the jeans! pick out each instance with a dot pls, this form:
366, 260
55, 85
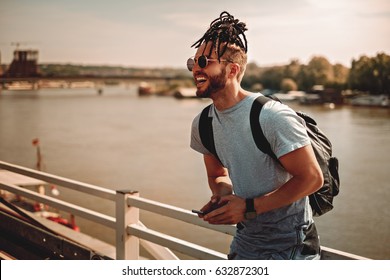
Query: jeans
301, 244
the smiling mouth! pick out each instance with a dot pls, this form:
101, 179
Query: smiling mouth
200, 80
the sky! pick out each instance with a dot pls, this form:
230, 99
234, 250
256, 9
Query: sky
159, 33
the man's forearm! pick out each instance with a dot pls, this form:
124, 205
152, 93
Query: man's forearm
295, 189
220, 186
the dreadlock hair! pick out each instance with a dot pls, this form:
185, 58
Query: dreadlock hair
227, 35
224, 31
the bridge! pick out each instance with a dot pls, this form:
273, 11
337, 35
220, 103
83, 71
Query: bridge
25, 69
95, 81
97, 78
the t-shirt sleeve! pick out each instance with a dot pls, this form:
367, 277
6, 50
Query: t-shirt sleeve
283, 128
196, 142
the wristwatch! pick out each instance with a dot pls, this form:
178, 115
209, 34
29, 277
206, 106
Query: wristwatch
250, 212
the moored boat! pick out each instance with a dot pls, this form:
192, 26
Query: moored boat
20, 86
185, 92
145, 89
371, 100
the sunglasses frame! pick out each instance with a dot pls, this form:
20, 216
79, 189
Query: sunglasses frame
202, 61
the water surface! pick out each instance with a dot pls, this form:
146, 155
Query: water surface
121, 141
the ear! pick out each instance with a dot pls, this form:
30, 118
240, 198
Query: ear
234, 70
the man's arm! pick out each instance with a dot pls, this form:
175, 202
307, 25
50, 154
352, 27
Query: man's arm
218, 179
306, 179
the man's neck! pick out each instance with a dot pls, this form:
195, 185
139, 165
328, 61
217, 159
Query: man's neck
228, 97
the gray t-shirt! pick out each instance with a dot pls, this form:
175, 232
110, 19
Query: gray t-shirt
254, 173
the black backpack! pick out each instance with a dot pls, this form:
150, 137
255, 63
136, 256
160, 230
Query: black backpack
322, 200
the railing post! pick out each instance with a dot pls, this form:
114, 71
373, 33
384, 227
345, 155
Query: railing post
127, 246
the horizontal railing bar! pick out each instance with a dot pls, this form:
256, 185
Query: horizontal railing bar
176, 244
157, 251
333, 254
61, 205
177, 213
61, 181
139, 202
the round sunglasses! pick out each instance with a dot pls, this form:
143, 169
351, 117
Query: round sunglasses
202, 61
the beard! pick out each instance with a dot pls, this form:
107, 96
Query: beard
216, 83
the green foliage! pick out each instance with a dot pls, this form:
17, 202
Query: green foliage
272, 77
370, 74
288, 85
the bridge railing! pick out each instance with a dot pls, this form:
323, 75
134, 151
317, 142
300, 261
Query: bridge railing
130, 232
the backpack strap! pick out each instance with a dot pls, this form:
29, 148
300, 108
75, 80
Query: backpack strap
206, 131
257, 132
207, 136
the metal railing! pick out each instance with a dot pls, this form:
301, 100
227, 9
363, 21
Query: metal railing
130, 232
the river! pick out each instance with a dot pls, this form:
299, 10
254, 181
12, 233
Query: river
118, 140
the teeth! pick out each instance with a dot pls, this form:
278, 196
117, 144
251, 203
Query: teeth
200, 79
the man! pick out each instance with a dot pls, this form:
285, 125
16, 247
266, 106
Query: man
267, 200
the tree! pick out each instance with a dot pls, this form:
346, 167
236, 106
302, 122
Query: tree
381, 64
340, 78
304, 80
288, 84
272, 77
360, 75
249, 80
320, 71
371, 74
292, 70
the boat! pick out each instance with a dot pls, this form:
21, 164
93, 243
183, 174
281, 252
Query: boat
371, 100
53, 84
38, 209
185, 92
290, 96
145, 89
20, 86
82, 84
310, 99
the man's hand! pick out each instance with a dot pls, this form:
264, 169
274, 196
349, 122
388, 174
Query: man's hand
230, 213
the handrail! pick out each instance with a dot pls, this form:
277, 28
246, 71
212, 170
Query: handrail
61, 181
126, 221
61, 205
176, 213
182, 246
137, 229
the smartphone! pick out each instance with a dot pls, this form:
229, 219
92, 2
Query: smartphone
213, 207
198, 212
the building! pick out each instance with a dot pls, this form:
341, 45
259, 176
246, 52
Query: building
24, 64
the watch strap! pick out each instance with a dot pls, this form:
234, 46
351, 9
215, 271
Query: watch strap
250, 205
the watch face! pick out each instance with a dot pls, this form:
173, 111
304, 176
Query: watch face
250, 215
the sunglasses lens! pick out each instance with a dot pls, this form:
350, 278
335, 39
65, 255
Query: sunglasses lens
202, 61
190, 64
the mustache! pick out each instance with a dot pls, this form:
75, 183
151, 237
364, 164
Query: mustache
200, 73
